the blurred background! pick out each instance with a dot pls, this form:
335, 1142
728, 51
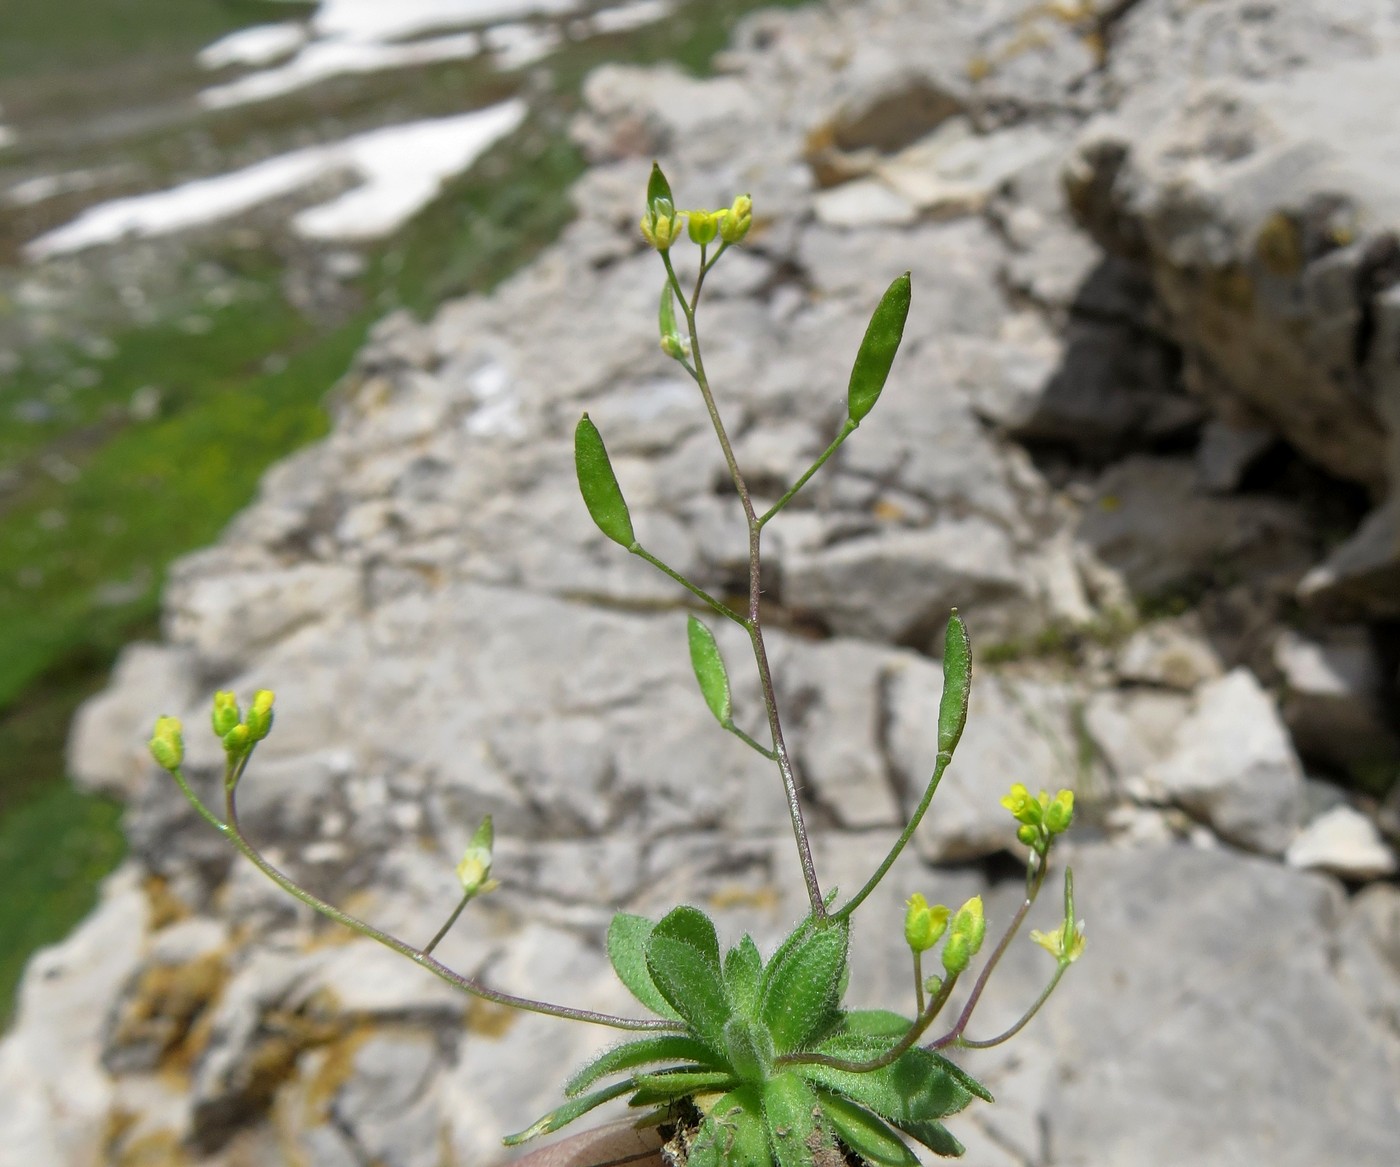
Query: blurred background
203, 206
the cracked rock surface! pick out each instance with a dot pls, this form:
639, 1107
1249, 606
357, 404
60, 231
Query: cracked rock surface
1142, 432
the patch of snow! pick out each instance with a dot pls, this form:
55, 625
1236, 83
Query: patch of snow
334, 58
401, 169
515, 46
259, 45
386, 20
629, 16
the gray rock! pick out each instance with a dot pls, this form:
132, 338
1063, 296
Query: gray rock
1344, 842
1171, 653
1333, 697
1149, 522
1233, 765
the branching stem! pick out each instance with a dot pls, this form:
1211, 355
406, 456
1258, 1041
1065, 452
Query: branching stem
418, 955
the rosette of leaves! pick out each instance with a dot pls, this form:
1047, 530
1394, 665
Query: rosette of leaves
745, 1047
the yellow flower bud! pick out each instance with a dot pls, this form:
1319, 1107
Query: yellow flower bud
260, 715
1029, 835
970, 923
735, 222
237, 742
956, 954
924, 925
661, 225
474, 868
703, 226
226, 712
167, 744
1060, 813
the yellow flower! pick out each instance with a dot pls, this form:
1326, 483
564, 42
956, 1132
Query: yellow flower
924, 925
1064, 949
1023, 807
167, 744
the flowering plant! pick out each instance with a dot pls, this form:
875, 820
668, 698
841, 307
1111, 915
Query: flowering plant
754, 1061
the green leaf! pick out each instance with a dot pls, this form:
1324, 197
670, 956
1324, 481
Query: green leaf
789, 1114
919, 1085
563, 1115
877, 350
743, 973
734, 1131
658, 187
935, 1136
627, 949
681, 1082
710, 671
683, 958
598, 485
801, 991
748, 1049
645, 1051
865, 1134
957, 684
874, 1023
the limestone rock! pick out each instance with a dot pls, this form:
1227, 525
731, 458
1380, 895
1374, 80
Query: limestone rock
1344, 842
1233, 765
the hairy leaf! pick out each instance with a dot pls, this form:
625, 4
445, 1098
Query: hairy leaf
743, 973
935, 1136
801, 992
734, 1132
877, 350
680, 1082
670, 1047
683, 959
563, 1115
789, 1113
864, 1133
627, 949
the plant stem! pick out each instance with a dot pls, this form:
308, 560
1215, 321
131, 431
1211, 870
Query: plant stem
985, 975
1025, 1017
846, 431
753, 623
748, 741
918, 982
718, 606
870, 884
447, 927
417, 955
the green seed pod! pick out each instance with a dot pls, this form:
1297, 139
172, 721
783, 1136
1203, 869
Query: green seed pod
957, 684
598, 485
877, 350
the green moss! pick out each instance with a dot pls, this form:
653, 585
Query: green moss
53, 851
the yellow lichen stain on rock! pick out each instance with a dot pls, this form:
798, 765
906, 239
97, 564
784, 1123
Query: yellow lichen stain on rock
162, 1009
488, 1019
1279, 245
337, 1063
156, 1149
1230, 287
737, 896
166, 907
